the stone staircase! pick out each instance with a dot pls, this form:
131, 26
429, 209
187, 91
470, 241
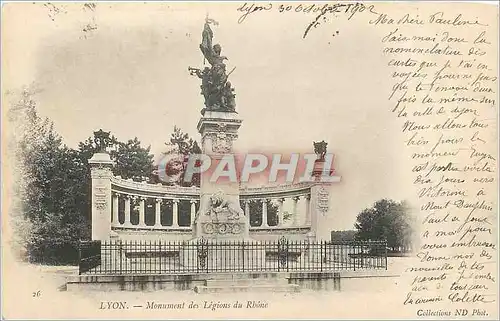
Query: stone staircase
245, 283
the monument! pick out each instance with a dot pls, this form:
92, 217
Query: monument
220, 215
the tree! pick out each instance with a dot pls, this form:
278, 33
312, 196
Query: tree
180, 147
57, 193
132, 160
343, 236
53, 200
182, 143
52, 183
255, 208
26, 127
386, 220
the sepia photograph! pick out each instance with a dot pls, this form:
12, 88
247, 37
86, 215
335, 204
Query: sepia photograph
206, 160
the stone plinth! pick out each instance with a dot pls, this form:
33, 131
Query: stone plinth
100, 172
221, 228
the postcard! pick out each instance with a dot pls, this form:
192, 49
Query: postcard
249, 160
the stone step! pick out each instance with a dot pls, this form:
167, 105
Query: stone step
248, 282
247, 276
247, 288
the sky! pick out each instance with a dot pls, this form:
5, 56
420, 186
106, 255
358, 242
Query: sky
129, 76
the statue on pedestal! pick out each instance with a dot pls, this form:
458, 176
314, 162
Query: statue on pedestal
320, 149
102, 140
215, 87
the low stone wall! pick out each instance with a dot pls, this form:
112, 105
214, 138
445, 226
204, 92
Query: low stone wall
134, 282
326, 281
329, 281
150, 233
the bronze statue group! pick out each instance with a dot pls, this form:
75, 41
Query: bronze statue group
215, 87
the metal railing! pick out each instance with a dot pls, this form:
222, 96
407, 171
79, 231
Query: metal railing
89, 256
203, 256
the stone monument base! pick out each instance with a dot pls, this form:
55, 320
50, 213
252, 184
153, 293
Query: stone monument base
224, 228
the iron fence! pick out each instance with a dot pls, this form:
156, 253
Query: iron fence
89, 256
203, 256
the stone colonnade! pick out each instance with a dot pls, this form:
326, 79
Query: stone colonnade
127, 208
129, 200
280, 219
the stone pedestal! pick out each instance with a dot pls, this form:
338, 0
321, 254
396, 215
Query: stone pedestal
220, 216
100, 172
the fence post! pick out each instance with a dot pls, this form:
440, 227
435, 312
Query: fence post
120, 253
326, 253
160, 256
287, 247
385, 248
243, 255
80, 257
354, 257
321, 255
196, 255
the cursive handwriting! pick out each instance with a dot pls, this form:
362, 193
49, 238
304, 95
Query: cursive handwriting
443, 94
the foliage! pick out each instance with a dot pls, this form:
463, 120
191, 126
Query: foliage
255, 208
343, 236
53, 199
387, 220
181, 146
132, 160
54, 184
182, 143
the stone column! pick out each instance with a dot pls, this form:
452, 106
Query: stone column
294, 211
142, 212
127, 211
280, 212
175, 213
264, 213
100, 173
193, 211
116, 221
158, 212
308, 210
